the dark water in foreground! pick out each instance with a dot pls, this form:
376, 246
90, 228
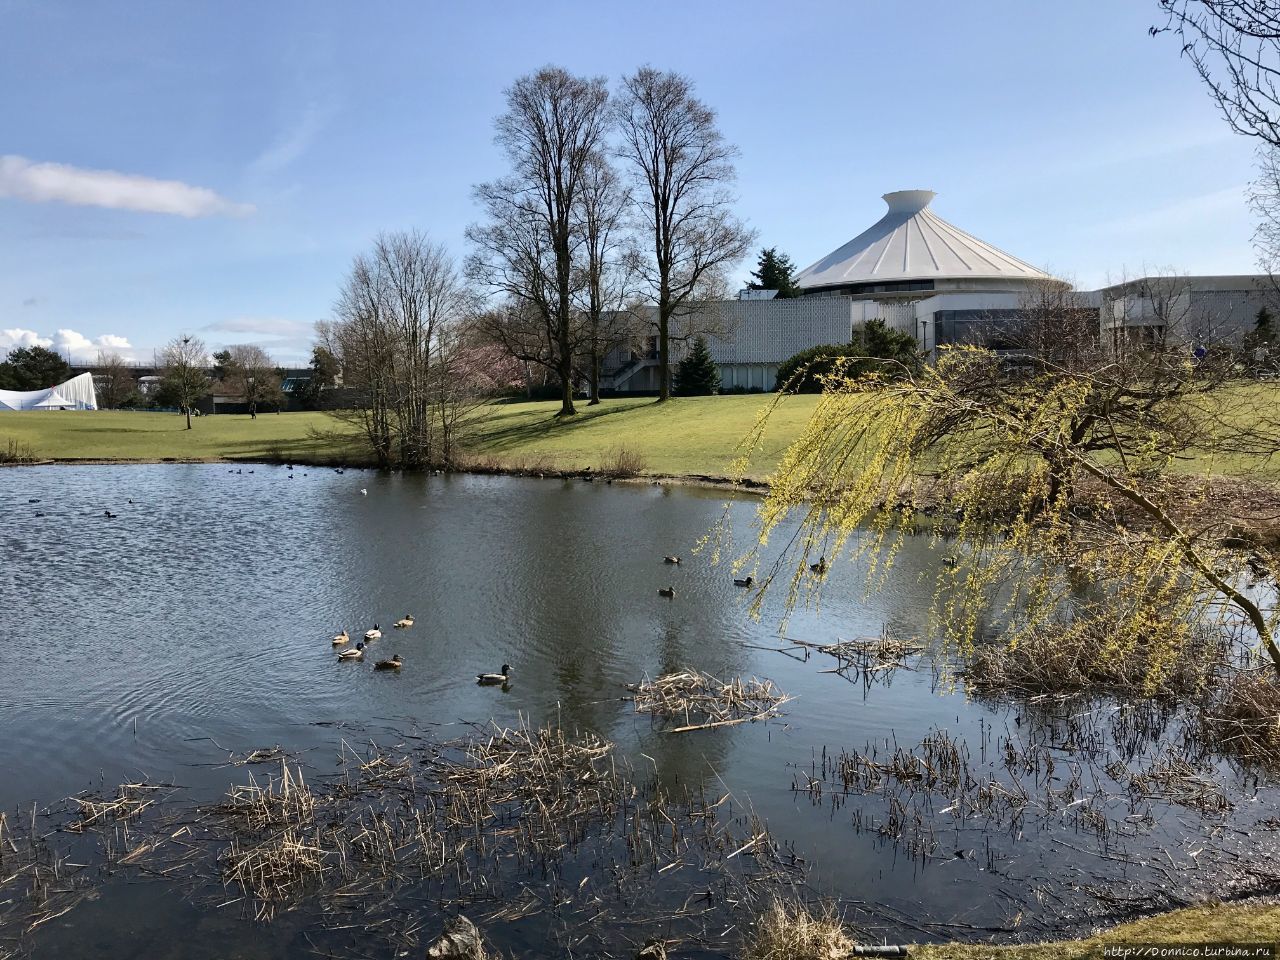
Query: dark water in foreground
196, 624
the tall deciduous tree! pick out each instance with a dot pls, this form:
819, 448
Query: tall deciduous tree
525, 249
604, 282
681, 167
184, 363
773, 272
391, 334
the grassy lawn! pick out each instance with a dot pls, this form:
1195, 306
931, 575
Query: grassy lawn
697, 435
120, 435
1223, 923
693, 436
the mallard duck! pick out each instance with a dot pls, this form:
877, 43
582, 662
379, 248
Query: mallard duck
670, 559
392, 664
666, 591
355, 653
341, 638
820, 567
404, 622
492, 679
373, 634
743, 581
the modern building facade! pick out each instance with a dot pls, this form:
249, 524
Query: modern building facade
927, 277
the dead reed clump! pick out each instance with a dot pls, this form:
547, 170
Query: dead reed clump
1059, 660
130, 800
287, 801
1173, 779
789, 930
1244, 721
274, 871
623, 463
699, 701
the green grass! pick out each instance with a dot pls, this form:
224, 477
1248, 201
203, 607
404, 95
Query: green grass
1220, 923
690, 436
687, 436
119, 435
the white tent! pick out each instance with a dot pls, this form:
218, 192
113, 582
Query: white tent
76, 394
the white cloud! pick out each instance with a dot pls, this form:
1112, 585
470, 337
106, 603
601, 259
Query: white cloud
59, 182
17, 337
72, 343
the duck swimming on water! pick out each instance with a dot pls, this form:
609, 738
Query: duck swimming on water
393, 664
493, 679
373, 634
404, 622
743, 581
341, 638
668, 592
355, 653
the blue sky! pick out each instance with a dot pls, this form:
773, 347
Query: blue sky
285, 135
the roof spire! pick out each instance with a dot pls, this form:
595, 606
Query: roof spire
908, 201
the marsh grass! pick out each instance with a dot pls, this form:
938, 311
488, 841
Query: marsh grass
791, 930
1244, 719
1052, 660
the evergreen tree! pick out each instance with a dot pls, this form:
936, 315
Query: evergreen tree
35, 368
773, 272
1263, 329
697, 374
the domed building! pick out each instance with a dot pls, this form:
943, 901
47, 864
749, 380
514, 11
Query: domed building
925, 276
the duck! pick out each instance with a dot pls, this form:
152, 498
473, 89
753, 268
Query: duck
493, 679
667, 591
341, 638
743, 581
393, 664
373, 634
355, 653
821, 566
364, 492
670, 559
404, 622
108, 514
948, 561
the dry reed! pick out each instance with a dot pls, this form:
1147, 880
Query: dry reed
699, 701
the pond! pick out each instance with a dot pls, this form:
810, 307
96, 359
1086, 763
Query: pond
195, 625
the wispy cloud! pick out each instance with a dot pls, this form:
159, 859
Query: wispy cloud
24, 179
1181, 214
293, 141
288, 341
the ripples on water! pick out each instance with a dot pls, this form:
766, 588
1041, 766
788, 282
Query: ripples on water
198, 621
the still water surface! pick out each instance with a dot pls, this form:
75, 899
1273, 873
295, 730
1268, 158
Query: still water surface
197, 622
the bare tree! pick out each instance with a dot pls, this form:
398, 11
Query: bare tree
1235, 47
390, 337
251, 372
554, 128
114, 381
185, 362
681, 166
605, 280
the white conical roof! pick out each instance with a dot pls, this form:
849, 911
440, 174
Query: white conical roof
911, 243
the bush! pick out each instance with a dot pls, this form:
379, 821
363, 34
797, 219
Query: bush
623, 462
788, 930
876, 342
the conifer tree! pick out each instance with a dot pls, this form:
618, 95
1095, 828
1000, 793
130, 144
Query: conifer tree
773, 272
697, 374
